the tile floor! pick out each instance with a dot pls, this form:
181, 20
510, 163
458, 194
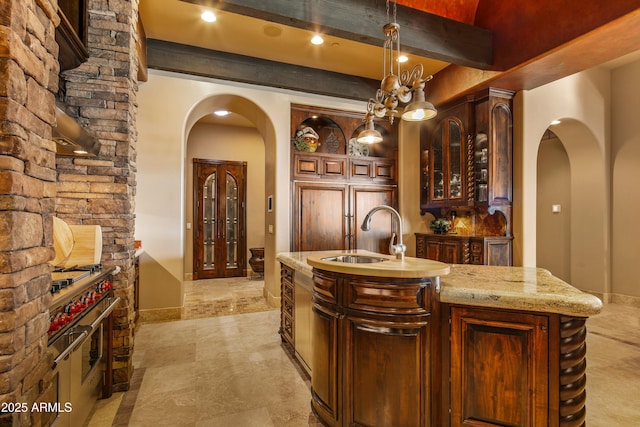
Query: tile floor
231, 370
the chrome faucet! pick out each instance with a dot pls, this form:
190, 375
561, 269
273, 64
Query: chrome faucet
397, 250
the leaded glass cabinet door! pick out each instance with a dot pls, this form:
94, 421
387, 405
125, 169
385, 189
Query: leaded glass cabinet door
219, 219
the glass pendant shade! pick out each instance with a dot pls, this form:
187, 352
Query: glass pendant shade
420, 109
369, 135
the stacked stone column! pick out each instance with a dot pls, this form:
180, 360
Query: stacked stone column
101, 95
28, 83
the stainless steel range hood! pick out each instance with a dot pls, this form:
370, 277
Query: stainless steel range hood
72, 139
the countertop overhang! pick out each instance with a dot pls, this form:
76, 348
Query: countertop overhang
514, 288
408, 268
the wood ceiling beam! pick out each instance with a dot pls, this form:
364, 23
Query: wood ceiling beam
610, 41
422, 33
168, 56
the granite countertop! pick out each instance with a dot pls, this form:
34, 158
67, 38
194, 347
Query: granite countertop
515, 288
518, 288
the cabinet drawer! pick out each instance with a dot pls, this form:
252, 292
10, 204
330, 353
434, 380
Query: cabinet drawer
405, 297
286, 275
324, 287
287, 291
306, 166
333, 167
476, 247
287, 307
361, 169
287, 329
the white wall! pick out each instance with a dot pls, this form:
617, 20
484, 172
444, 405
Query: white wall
625, 160
582, 102
169, 104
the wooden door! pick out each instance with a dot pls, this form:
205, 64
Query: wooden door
219, 219
362, 200
319, 220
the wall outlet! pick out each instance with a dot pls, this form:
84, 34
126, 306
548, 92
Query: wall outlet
271, 228
555, 208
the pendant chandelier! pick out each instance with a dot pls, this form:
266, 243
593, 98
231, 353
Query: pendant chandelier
396, 87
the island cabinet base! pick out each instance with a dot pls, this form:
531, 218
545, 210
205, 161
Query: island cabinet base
514, 368
371, 354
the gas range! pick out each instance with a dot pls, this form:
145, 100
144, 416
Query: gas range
80, 338
63, 277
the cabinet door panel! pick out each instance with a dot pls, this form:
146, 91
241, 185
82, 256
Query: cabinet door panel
498, 252
450, 252
499, 368
363, 199
385, 369
432, 250
319, 217
324, 386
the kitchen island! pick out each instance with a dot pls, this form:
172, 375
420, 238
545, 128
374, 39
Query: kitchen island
475, 345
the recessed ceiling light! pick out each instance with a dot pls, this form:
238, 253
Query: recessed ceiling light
403, 58
221, 113
555, 122
208, 16
317, 39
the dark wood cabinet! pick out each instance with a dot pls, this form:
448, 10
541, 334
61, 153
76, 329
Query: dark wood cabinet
466, 172
493, 148
371, 354
443, 145
315, 166
499, 368
287, 294
455, 249
71, 34
336, 186
327, 216
467, 153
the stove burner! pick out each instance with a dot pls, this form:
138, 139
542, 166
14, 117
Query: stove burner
60, 284
92, 268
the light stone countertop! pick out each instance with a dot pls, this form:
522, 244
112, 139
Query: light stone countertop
515, 288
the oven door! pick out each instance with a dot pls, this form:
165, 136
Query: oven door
63, 349
87, 370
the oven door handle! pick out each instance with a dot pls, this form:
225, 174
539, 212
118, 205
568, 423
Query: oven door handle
76, 342
107, 311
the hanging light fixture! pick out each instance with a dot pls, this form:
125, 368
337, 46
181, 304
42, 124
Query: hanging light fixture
397, 87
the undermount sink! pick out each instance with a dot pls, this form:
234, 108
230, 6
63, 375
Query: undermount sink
355, 259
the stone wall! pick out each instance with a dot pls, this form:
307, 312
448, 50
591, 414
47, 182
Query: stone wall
35, 185
28, 82
101, 95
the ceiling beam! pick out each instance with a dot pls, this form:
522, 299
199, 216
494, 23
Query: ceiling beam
162, 55
422, 33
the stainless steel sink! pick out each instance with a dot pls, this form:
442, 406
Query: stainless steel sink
355, 259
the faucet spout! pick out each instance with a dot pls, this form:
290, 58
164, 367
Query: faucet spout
394, 249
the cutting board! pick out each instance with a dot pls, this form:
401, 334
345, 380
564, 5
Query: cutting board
62, 241
87, 248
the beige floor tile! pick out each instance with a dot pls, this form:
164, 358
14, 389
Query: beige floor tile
233, 371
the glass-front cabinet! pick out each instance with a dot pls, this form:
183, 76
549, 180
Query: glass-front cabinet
443, 159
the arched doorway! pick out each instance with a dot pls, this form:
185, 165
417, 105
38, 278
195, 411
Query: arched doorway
571, 170
553, 210
249, 138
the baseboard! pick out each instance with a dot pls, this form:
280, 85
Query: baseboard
609, 298
272, 300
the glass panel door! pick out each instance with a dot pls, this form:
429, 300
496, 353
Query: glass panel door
219, 239
438, 165
455, 160
232, 222
209, 222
